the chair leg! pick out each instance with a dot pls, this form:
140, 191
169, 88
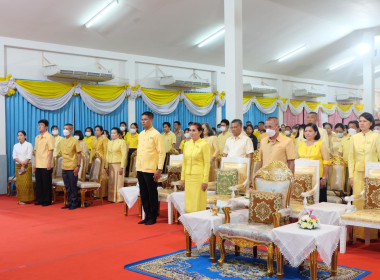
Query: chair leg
334, 263
188, 244
176, 216
255, 251
212, 248
222, 250
313, 265
237, 250
270, 249
9, 189
139, 202
82, 197
125, 209
280, 264
367, 236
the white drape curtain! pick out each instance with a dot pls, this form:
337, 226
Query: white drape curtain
265, 110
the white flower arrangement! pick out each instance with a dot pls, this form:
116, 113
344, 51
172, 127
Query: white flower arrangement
309, 221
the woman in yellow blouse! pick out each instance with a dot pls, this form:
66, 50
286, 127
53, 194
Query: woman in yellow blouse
132, 140
89, 136
115, 163
187, 138
315, 149
212, 140
336, 139
195, 170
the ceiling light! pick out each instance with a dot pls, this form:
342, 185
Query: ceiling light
292, 53
211, 37
377, 70
341, 63
101, 13
363, 48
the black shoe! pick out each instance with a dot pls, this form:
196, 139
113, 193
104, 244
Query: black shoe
150, 222
142, 222
37, 203
46, 204
65, 207
72, 207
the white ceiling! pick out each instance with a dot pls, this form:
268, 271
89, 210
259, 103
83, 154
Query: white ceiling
171, 29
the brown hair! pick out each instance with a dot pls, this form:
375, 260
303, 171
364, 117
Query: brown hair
199, 127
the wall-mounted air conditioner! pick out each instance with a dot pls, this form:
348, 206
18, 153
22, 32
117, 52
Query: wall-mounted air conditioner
188, 83
347, 97
258, 90
307, 93
88, 75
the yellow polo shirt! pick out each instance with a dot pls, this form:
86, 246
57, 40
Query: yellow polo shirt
169, 139
117, 152
57, 139
222, 138
69, 147
131, 141
344, 148
43, 144
150, 151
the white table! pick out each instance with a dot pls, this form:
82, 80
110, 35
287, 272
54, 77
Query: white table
202, 225
295, 244
178, 200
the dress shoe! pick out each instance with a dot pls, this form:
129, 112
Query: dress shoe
65, 207
37, 203
73, 207
142, 222
150, 222
46, 204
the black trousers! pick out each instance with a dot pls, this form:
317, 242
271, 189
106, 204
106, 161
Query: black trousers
70, 182
323, 194
149, 194
130, 152
43, 185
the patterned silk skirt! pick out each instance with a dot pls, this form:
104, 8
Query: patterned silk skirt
24, 184
115, 183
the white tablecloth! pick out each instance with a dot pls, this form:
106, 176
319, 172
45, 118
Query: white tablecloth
296, 244
130, 194
329, 213
201, 224
178, 200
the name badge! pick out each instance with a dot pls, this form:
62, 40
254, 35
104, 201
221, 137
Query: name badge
198, 146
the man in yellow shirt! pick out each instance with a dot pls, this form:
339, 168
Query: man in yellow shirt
71, 159
57, 139
149, 163
43, 163
169, 137
222, 137
344, 149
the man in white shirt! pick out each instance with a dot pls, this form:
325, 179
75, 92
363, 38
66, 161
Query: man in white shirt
239, 144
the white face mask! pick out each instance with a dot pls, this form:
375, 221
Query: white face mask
294, 130
103, 135
76, 137
88, 133
270, 132
339, 134
187, 135
255, 130
122, 128
287, 132
376, 131
218, 129
132, 130
66, 132
54, 132
352, 131
222, 128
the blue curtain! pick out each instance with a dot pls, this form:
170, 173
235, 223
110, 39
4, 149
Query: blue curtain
181, 114
21, 115
224, 112
255, 116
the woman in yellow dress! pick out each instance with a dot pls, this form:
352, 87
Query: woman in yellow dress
335, 141
22, 155
208, 135
132, 140
195, 170
315, 149
89, 136
187, 138
115, 164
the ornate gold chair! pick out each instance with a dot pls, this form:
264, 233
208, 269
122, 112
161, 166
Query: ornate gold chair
268, 205
305, 186
256, 162
131, 180
369, 216
337, 180
11, 180
168, 154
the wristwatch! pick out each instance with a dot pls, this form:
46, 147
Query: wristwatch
79, 165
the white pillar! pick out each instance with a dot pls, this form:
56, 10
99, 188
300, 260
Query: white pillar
280, 115
131, 66
3, 144
233, 49
216, 78
368, 74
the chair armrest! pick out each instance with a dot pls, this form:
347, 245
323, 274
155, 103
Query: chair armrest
276, 219
350, 199
236, 188
176, 185
285, 212
162, 180
226, 210
211, 186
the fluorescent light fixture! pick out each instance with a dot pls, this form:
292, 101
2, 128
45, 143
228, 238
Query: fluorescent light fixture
211, 37
292, 53
377, 38
363, 48
377, 70
101, 13
341, 63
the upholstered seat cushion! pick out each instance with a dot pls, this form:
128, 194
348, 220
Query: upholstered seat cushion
12, 179
296, 206
262, 205
334, 199
88, 185
58, 182
226, 179
130, 180
253, 231
223, 197
365, 216
275, 187
372, 193
302, 183
337, 178
164, 193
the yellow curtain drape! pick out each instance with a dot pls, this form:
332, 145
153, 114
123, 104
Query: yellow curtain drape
312, 105
45, 89
103, 92
200, 99
266, 101
296, 103
345, 108
329, 106
247, 98
284, 100
159, 96
359, 107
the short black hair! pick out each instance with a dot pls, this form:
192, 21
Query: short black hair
327, 123
167, 123
239, 122
100, 127
369, 117
177, 122
106, 132
287, 126
315, 128
69, 124
261, 122
123, 123
148, 114
189, 123
90, 128
339, 125
79, 133
22, 131
54, 126
225, 121
186, 129
117, 130
136, 125
356, 123
45, 122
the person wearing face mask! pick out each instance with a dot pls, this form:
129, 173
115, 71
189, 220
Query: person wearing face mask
239, 144
71, 163
283, 129
123, 129
169, 142
115, 164
364, 147
276, 147
377, 128
218, 130
106, 134
252, 136
89, 136
256, 132
79, 136
208, 135
57, 139
344, 149
336, 139
22, 155
288, 131
131, 140
187, 138
222, 137
312, 117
